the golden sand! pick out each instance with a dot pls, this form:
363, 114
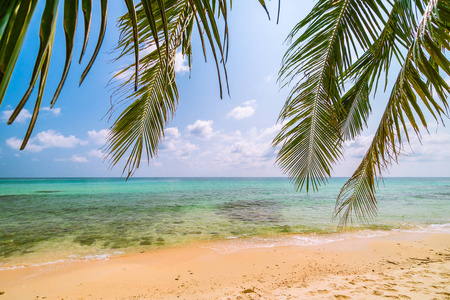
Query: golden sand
399, 266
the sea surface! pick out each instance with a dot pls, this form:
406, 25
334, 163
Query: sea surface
43, 221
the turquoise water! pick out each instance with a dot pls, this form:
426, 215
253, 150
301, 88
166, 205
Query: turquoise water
45, 220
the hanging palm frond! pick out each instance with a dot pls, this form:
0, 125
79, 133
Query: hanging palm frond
163, 28
416, 81
310, 139
15, 17
320, 116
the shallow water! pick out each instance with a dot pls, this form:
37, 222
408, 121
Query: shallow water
45, 220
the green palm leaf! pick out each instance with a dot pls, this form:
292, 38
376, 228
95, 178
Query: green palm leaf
357, 197
310, 140
140, 127
355, 104
70, 25
15, 17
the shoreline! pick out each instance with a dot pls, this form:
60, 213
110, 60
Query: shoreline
398, 264
223, 244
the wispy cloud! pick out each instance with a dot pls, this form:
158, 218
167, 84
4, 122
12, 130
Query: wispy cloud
46, 139
174, 144
96, 153
201, 129
23, 116
181, 66
250, 150
243, 112
56, 111
98, 137
79, 159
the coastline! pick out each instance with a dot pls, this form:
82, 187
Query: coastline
400, 264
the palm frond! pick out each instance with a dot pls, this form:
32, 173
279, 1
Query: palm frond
310, 140
15, 17
432, 34
354, 104
140, 127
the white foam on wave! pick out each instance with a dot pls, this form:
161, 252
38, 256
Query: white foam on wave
429, 228
241, 242
293, 240
70, 259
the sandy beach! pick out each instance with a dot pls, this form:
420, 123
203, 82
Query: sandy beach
399, 266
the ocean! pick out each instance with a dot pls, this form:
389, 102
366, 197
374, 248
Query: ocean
47, 220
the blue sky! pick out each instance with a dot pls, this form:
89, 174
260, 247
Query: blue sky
208, 136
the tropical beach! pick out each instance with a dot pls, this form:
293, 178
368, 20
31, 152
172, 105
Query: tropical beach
399, 266
216, 149
218, 238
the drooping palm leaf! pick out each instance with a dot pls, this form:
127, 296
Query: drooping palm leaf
310, 139
15, 17
140, 127
357, 197
70, 25
43, 79
45, 34
355, 104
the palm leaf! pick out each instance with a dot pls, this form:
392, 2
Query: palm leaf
310, 139
70, 25
357, 197
104, 10
15, 17
18, 16
354, 104
87, 8
140, 127
43, 79
45, 34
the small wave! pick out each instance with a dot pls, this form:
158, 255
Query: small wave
71, 258
293, 240
429, 228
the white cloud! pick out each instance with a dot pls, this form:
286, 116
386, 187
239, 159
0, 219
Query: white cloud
46, 139
23, 116
80, 159
243, 112
51, 138
189, 147
201, 129
251, 102
252, 150
172, 132
175, 145
15, 143
181, 66
434, 147
55, 111
358, 147
267, 78
98, 137
240, 112
96, 153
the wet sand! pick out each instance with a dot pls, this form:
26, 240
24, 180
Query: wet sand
398, 266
